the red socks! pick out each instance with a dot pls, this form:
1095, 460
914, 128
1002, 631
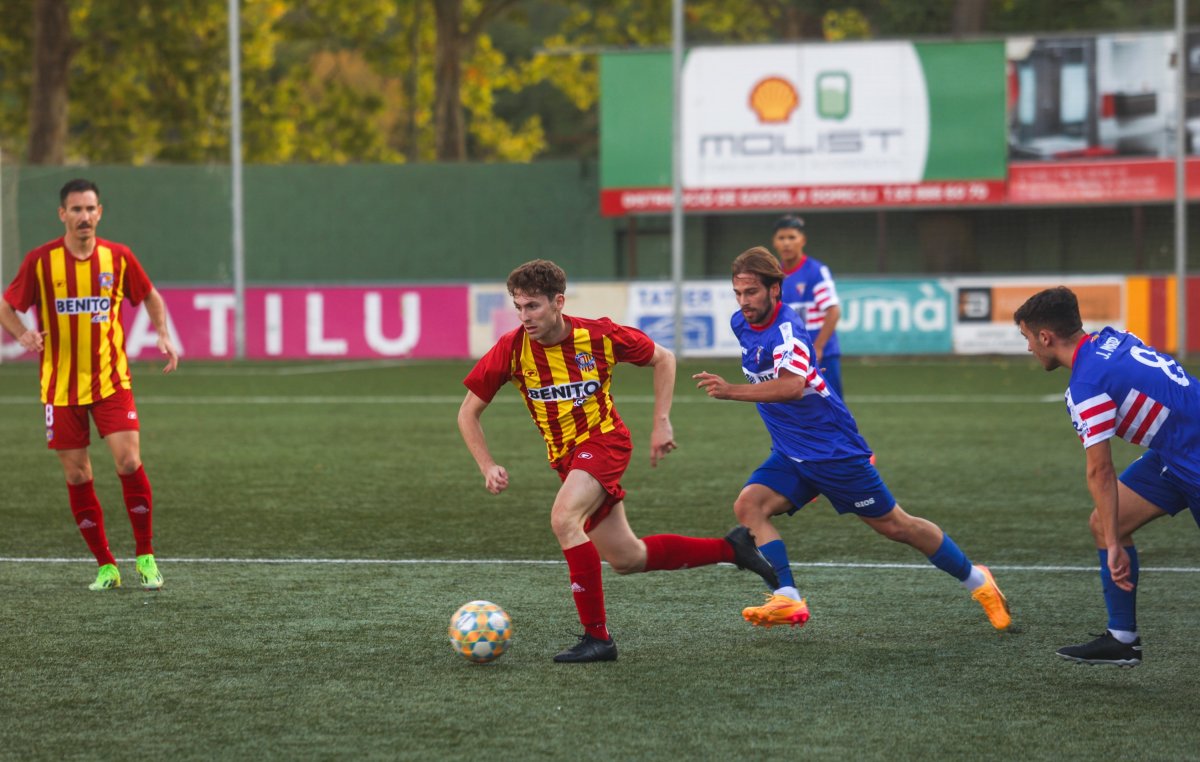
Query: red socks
583, 563
139, 505
85, 507
672, 551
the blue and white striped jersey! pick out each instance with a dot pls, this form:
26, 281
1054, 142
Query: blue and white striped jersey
1119, 386
816, 427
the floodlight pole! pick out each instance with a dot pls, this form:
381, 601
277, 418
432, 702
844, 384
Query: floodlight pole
235, 164
1182, 63
677, 171
2, 281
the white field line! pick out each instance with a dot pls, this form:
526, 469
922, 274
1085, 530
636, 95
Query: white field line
446, 399
535, 562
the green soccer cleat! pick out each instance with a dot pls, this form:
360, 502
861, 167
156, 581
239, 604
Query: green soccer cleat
148, 570
107, 578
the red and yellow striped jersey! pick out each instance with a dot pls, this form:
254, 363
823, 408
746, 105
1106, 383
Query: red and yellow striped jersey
78, 305
565, 385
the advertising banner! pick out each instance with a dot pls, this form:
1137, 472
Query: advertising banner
1078, 119
771, 126
886, 317
900, 316
984, 320
707, 307
326, 322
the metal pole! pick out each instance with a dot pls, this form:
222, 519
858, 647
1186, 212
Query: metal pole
3, 283
1181, 60
677, 171
235, 163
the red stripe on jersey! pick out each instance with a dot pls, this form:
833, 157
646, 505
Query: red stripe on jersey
1131, 414
1151, 417
94, 267
568, 352
119, 286
1102, 427
52, 342
1103, 407
72, 347
546, 378
603, 401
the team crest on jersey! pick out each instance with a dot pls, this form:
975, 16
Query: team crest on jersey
106, 280
585, 361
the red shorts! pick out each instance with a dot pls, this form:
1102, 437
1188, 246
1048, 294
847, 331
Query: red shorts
605, 456
67, 425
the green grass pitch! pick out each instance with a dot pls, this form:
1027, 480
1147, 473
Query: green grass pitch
318, 524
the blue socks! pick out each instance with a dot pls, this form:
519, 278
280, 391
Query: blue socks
950, 559
776, 552
1122, 605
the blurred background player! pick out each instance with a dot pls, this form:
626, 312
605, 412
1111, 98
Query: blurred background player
562, 366
77, 285
815, 449
808, 289
1119, 386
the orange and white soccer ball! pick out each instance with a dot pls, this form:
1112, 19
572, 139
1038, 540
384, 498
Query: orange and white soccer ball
480, 631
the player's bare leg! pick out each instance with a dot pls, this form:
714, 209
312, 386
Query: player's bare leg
942, 552
579, 497
754, 508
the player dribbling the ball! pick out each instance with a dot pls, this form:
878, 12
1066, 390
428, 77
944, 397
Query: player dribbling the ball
562, 367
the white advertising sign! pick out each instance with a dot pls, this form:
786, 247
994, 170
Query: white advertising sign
788, 115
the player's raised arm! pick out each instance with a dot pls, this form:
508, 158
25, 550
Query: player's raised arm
469, 425
788, 386
662, 435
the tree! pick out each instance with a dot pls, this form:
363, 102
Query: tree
53, 48
456, 35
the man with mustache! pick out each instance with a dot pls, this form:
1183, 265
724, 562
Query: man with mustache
77, 285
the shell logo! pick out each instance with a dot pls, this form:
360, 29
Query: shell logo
774, 99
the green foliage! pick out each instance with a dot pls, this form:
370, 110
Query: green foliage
353, 80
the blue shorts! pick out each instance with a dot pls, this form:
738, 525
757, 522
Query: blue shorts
1150, 478
851, 484
831, 371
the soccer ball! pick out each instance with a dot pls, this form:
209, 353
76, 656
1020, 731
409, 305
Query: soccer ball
480, 631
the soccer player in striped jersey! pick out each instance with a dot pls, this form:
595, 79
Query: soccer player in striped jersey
562, 367
815, 449
1120, 387
76, 286
808, 289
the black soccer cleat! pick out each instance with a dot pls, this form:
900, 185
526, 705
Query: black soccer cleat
1105, 649
746, 555
588, 649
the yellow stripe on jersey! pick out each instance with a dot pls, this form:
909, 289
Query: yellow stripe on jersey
58, 280
528, 367
591, 409
560, 375
104, 350
47, 356
83, 337
609, 422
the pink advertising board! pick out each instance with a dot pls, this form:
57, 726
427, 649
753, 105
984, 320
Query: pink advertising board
318, 322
